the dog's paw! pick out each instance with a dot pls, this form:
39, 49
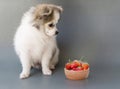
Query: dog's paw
24, 75
47, 72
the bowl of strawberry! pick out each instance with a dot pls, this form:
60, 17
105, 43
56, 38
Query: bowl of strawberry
77, 70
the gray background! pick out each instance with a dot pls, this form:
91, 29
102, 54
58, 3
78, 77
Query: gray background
87, 28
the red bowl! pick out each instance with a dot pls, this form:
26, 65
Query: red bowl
76, 75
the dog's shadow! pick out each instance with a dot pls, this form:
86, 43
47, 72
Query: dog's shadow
35, 72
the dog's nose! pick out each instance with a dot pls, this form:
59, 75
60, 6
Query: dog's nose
56, 32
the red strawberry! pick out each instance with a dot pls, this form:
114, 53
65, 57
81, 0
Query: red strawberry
68, 66
74, 65
81, 68
78, 69
75, 69
77, 63
85, 66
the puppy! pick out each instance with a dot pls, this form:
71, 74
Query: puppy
35, 39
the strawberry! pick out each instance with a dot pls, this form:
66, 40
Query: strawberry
77, 63
75, 69
68, 66
74, 65
85, 66
78, 69
81, 68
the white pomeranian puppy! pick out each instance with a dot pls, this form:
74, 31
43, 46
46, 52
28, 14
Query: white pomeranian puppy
35, 39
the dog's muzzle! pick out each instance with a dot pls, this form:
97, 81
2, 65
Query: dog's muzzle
56, 32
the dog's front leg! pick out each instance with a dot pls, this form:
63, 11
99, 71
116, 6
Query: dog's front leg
26, 66
55, 59
45, 63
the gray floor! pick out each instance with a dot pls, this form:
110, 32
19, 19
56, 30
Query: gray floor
101, 77
87, 28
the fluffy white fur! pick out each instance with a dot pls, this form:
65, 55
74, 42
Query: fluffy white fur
35, 46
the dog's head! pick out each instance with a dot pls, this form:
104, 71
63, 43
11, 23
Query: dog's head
46, 17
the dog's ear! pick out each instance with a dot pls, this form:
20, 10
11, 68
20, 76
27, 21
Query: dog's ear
42, 11
59, 8
46, 11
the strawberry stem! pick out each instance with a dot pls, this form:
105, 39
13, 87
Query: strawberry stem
83, 58
69, 60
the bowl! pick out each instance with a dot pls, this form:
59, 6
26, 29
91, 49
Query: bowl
76, 75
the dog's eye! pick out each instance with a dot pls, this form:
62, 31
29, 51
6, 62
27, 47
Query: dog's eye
51, 25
